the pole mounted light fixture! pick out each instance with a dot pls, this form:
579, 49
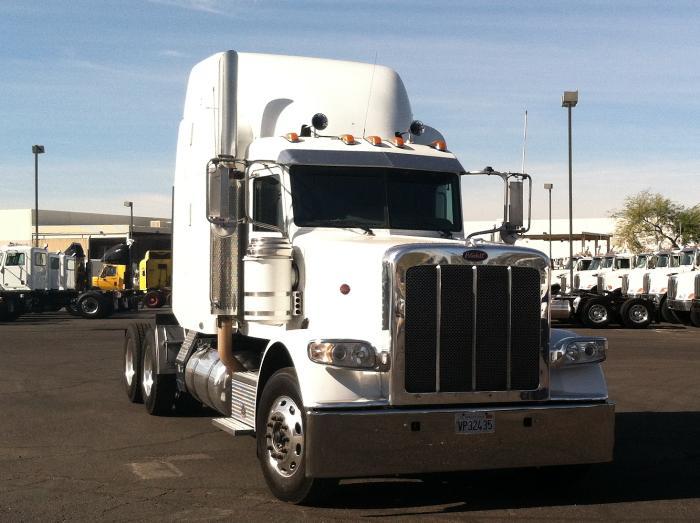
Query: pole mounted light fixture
36, 151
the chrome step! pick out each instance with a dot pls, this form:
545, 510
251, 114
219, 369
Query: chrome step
233, 427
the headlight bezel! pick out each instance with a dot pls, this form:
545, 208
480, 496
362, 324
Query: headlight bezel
578, 350
348, 354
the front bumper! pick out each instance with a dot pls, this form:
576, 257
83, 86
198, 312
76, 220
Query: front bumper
346, 444
680, 305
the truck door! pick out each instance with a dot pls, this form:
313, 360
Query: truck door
54, 272
14, 270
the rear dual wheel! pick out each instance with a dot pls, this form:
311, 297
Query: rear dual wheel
595, 313
158, 390
636, 314
133, 360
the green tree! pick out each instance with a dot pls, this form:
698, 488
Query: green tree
651, 221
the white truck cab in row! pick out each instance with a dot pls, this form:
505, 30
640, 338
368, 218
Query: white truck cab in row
684, 287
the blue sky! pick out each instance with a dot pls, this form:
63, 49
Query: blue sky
101, 85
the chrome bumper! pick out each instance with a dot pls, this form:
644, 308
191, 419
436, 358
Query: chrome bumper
346, 444
680, 305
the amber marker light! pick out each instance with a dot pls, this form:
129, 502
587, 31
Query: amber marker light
292, 137
347, 139
397, 141
439, 145
374, 140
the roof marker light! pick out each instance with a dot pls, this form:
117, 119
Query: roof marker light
348, 139
374, 140
439, 145
292, 137
397, 141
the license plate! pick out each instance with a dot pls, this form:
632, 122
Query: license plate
475, 423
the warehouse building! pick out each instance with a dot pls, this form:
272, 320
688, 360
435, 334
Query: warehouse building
95, 232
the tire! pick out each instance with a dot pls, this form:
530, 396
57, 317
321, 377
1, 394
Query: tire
280, 429
667, 314
153, 299
158, 390
72, 309
636, 314
596, 313
94, 305
695, 316
133, 360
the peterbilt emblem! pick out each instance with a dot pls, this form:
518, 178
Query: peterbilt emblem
475, 255
244, 412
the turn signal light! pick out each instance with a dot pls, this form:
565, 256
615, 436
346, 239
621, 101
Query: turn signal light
292, 137
397, 141
440, 145
347, 139
374, 140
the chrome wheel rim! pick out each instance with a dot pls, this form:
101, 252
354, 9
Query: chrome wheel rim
129, 370
638, 313
598, 313
147, 379
90, 305
284, 437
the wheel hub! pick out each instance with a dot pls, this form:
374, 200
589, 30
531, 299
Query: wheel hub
129, 363
90, 305
147, 379
638, 313
284, 436
598, 313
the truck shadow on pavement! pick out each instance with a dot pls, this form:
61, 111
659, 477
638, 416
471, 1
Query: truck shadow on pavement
657, 457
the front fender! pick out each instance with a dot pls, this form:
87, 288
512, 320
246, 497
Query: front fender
323, 385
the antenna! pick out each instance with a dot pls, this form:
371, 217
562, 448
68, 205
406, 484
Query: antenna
522, 165
369, 96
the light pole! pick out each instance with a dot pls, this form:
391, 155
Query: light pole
37, 150
549, 187
130, 205
569, 100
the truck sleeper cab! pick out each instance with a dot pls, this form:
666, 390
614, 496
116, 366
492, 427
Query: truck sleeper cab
341, 311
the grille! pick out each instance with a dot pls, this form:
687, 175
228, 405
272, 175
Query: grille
672, 288
625, 284
472, 328
646, 285
600, 284
577, 282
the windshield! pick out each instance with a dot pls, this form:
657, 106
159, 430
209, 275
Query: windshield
607, 263
675, 260
584, 265
325, 196
595, 264
641, 262
687, 257
661, 260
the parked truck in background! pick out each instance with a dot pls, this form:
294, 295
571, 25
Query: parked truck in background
684, 288
655, 283
151, 285
327, 301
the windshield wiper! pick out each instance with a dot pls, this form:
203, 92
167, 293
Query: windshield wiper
444, 233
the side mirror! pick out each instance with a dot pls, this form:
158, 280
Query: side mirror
515, 203
220, 195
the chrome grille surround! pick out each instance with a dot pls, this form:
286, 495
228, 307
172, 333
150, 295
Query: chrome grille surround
398, 261
625, 284
646, 284
600, 284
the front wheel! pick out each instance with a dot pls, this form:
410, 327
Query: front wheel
667, 314
595, 314
281, 440
636, 314
95, 305
133, 360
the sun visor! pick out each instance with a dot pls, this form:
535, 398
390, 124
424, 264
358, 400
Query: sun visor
369, 159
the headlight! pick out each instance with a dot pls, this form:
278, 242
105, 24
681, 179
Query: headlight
572, 351
348, 353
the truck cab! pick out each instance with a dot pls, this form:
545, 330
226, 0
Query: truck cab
587, 278
24, 268
613, 269
324, 290
111, 278
655, 281
684, 288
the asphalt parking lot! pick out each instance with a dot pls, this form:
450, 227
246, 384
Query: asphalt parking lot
72, 446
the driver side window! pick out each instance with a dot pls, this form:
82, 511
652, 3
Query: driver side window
267, 202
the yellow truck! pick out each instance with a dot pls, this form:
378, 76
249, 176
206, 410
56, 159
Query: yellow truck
154, 278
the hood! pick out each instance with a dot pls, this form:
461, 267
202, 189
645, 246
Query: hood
349, 259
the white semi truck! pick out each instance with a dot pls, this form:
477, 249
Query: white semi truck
327, 301
684, 288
